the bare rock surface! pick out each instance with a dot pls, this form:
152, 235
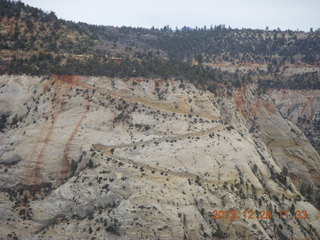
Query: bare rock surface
101, 158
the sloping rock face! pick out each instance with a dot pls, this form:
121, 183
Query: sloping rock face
302, 108
93, 157
287, 144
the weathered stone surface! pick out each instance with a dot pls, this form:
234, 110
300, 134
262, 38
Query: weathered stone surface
302, 108
148, 159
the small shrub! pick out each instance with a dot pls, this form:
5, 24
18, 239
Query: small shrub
90, 164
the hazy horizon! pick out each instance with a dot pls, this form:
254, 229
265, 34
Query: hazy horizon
283, 14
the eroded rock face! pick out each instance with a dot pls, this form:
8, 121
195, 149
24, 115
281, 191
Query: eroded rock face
132, 159
287, 144
302, 108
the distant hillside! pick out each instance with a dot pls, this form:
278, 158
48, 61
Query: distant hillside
37, 43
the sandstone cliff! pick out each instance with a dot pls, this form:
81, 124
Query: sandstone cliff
102, 158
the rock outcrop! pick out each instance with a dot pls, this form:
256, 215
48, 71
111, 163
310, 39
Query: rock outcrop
94, 157
302, 107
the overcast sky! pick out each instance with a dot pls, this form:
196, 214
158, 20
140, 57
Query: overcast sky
286, 14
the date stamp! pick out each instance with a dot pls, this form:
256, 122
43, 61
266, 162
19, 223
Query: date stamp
258, 214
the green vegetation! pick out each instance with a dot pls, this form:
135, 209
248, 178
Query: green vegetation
307, 191
25, 199
283, 175
311, 128
292, 208
39, 43
310, 80
255, 168
219, 233
114, 227
90, 164
3, 122
141, 65
73, 167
